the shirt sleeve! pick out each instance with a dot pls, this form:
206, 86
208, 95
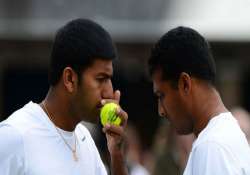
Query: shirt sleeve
213, 158
99, 166
11, 151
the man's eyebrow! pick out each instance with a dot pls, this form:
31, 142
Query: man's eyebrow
156, 92
105, 75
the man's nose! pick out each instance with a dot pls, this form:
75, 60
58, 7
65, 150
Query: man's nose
161, 110
108, 91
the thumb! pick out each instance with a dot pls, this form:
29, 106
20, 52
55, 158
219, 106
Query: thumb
117, 96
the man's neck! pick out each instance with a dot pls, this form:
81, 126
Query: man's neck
212, 106
58, 110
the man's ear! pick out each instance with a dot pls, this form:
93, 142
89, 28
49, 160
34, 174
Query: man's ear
185, 83
70, 79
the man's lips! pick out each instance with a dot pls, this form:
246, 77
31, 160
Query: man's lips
99, 106
167, 118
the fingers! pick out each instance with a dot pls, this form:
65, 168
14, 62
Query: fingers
123, 115
106, 101
117, 95
113, 130
116, 98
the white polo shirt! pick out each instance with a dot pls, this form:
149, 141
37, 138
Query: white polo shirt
220, 149
30, 145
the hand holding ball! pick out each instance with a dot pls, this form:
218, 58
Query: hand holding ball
108, 114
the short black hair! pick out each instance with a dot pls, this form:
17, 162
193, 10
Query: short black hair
77, 45
183, 49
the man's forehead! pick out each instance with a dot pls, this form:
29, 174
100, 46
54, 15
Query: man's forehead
156, 77
102, 65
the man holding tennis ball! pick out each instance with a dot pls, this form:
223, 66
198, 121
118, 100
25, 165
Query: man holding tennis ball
48, 138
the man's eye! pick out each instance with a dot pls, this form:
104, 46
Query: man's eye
102, 79
161, 97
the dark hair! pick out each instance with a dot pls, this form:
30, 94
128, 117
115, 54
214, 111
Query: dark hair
180, 50
77, 45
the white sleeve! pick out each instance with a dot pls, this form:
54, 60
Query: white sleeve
212, 158
100, 168
11, 151
97, 161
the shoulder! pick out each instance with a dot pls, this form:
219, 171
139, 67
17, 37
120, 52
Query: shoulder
82, 130
12, 159
25, 118
83, 134
214, 158
220, 148
11, 141
209, 148
222, 129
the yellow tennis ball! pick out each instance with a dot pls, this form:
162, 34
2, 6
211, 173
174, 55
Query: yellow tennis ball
108, 114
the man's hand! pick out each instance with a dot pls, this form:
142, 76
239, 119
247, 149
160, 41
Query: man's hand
115, 137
